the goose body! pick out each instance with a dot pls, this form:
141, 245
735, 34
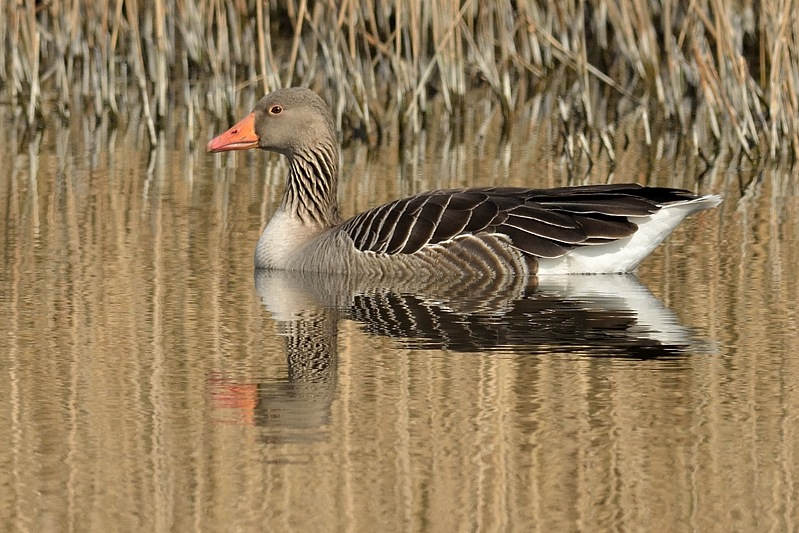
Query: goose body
486, 231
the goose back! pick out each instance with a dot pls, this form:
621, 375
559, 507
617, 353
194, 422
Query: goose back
541, 223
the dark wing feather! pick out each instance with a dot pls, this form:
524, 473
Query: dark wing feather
367, 233
423, 228
482, 216
533, 244
605, 227
543, 230
548, 216
381, 237
464, 200
453, 222
614, 205
399, 233
538, 222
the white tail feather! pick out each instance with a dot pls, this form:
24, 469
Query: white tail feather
624, 255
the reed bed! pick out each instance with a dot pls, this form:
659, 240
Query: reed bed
725, 74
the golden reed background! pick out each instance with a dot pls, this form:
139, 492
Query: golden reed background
134, 349
725, 73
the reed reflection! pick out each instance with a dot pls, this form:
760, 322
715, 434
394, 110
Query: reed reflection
611, 316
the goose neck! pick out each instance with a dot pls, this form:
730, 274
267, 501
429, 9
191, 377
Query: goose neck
311, 187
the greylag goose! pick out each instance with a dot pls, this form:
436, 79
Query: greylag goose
485, 231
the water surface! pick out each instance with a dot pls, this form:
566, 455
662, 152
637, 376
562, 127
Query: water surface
152, 381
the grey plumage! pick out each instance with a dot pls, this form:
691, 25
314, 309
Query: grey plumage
477, 231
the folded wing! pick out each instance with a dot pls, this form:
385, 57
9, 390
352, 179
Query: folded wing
544, 223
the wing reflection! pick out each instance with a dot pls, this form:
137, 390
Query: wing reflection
587, 316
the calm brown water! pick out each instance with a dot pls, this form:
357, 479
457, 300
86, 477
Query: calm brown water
151, 382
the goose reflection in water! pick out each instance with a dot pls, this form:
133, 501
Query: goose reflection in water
583, 316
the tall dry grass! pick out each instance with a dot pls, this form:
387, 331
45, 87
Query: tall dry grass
724, 73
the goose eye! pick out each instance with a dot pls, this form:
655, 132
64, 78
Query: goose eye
275, 110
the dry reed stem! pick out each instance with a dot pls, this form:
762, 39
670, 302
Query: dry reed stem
32, 34
132, 16
295, 43
259, 21
161, 51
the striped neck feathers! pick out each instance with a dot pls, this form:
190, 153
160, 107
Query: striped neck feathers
312, 186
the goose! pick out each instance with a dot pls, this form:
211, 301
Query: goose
457, 233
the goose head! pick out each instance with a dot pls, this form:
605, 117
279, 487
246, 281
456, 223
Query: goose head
287, 121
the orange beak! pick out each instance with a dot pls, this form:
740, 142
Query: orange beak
242, 136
